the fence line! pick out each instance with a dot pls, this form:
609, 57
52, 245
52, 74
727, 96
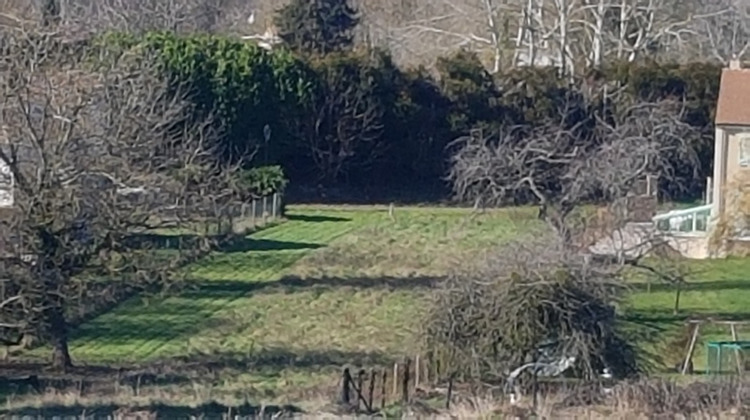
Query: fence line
235, 217
256, 213
373, 389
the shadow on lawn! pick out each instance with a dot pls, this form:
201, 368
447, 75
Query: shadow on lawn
242, 244
273, 360
703, 286
249, 244
665, 316
185, 316
316, 218
162, 411
290, 284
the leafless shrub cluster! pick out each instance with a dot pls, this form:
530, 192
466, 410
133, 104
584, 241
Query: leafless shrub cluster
487, 320
87, 16
95, 154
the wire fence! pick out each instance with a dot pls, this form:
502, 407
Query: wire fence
257, 213
230, 218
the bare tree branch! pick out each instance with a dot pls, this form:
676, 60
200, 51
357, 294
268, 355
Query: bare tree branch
96, 154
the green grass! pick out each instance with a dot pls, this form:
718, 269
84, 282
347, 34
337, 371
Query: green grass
280, 313
716, 288
298, 300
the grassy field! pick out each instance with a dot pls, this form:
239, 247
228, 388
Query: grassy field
715, 288
277, 315
282, 311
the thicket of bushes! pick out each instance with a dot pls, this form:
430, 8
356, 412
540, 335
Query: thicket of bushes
351, 118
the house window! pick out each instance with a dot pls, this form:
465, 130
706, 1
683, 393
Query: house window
745, 151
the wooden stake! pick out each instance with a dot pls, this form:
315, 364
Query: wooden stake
691, 348
450, 393
265, 209
346, 383
405, 385
736, 351
416, 372
427, 366
383, 390
360, 388
395, 379
371, 403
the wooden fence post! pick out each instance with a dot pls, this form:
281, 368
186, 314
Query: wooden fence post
345, 394
371, 404
416, 372
265, 207
405, 385
450, 393
383, 389
360, 388
274, 206
427, 367
395, 380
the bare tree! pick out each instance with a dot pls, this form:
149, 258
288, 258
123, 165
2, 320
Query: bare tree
82, 17
722, 31
498, 315
96, 154
563, 163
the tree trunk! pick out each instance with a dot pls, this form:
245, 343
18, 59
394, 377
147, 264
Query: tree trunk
58, 333
677, 300
60, 353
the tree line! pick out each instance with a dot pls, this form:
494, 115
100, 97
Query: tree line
353, 119
344, 111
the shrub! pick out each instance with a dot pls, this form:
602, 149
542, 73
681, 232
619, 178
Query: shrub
487, 320
262, 181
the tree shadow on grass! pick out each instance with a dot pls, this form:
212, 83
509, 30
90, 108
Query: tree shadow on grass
276, 359
214, 289
316, 218
667, 317
162, 411
240, 244
186, 315
292, 283
703, 286
250, 244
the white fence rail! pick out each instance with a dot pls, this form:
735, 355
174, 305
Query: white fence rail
692, 220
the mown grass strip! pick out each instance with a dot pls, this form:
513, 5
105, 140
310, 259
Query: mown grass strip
138, 331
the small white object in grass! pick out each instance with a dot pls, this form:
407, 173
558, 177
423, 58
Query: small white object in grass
131, 190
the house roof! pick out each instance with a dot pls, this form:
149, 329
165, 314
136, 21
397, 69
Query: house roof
733, 107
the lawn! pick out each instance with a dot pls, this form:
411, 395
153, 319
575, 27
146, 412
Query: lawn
715, 288
277, 315
293, 302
